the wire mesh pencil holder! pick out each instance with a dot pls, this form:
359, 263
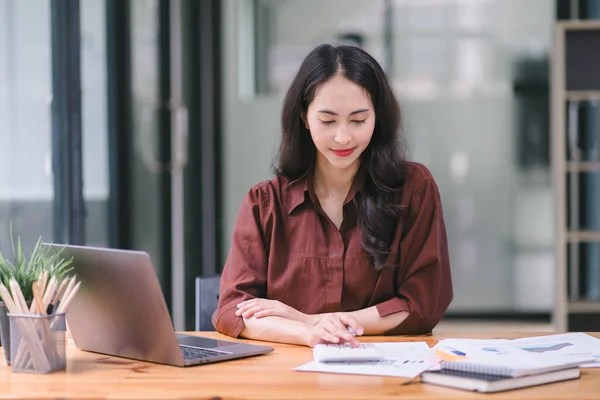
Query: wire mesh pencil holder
37, 343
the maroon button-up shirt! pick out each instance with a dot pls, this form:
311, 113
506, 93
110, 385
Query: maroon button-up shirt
285, 248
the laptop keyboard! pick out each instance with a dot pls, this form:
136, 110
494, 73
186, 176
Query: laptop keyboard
194, 353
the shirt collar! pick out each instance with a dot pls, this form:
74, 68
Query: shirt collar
303, 188
297, 193
358, 185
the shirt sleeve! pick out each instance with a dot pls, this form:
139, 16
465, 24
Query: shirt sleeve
244, 275
424, 278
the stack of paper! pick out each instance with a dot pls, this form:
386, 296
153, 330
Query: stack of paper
500, 364
406, 360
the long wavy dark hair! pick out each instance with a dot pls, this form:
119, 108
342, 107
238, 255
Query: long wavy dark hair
383, 159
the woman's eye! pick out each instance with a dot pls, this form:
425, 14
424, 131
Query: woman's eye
327, 122
356, 121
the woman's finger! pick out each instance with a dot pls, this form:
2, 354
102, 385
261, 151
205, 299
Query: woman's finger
337, 328
249, 312
344, 335
270, 312
327, 336
247, 303
353, 342
352, 323
244, 308
339, 331
251, 303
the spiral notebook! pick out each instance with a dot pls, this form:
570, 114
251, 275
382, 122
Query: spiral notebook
494, 383
514, 366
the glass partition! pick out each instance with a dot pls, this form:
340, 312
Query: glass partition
94, 121
26, 179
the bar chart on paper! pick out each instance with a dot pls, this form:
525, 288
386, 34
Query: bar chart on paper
564, 345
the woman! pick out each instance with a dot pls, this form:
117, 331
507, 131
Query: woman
349, 238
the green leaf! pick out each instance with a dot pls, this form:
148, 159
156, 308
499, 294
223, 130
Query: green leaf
27, 269
12, 239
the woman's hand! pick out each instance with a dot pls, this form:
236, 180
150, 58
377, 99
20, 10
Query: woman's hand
271, 308
333, 328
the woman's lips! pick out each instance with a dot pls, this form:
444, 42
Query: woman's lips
343, 152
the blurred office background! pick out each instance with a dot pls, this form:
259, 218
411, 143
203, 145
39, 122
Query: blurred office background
178, 116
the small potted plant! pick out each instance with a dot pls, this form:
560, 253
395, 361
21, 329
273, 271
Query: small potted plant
25, 271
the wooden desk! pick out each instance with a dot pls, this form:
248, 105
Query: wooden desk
270, 376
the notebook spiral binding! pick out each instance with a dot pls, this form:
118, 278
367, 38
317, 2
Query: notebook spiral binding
476, 368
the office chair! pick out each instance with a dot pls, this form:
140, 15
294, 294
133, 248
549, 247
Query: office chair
207, 299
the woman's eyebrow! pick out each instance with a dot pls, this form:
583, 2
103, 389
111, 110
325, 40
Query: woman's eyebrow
325, 111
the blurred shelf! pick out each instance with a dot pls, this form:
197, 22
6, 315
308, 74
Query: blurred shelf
582, 95
583, 166
573, 67
584, 306
583, 236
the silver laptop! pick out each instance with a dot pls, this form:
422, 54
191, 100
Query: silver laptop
120, 310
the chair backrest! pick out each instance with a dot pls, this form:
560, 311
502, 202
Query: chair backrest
207, 300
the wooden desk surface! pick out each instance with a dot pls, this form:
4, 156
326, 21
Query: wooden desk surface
270, 376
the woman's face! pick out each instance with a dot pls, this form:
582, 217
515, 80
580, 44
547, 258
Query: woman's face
341, 120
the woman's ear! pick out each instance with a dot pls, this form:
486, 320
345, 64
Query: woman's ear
304, 120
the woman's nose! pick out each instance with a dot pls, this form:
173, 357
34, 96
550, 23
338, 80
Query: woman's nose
342, 136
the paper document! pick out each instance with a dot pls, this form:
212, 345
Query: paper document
406, 360
567, 345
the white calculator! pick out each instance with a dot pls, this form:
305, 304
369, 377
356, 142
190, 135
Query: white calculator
346, 353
